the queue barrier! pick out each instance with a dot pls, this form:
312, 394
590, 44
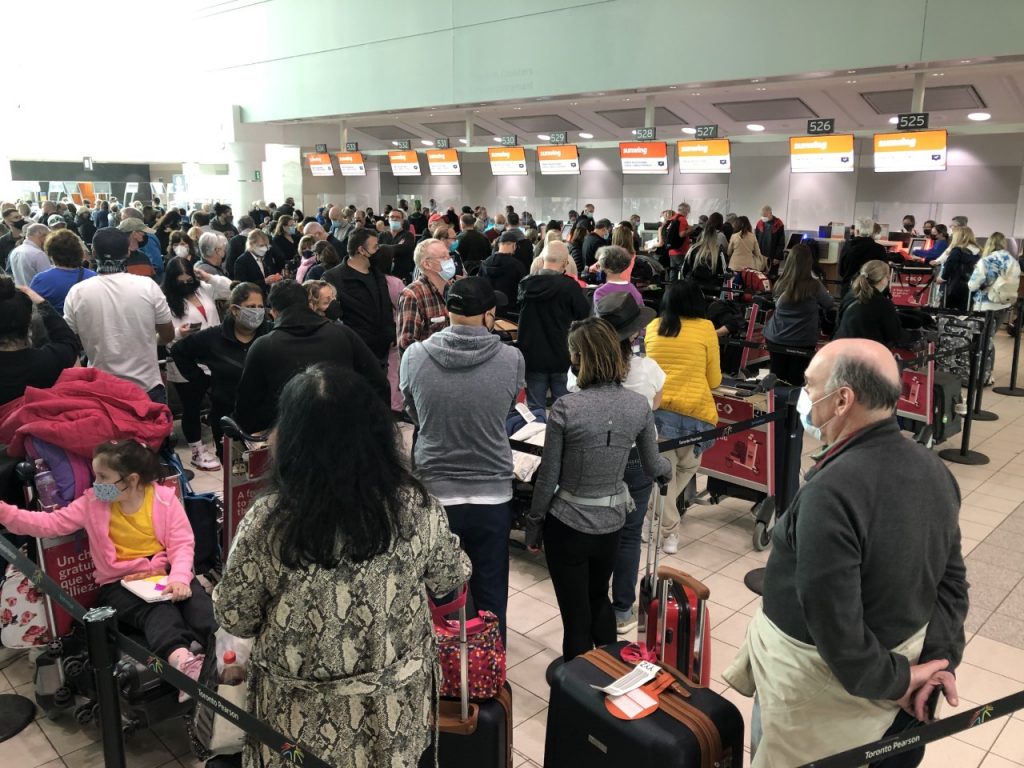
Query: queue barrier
103, 638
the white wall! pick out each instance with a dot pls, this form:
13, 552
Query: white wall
983, 181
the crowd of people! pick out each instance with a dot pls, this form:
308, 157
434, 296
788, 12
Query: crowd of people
324, 328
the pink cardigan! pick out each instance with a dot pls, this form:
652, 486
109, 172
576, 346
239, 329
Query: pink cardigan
170, 524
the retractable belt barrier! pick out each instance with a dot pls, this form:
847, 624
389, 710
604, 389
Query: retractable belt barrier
680, 442
923, 734
286, 747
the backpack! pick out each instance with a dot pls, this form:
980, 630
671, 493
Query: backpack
1005, 287
72, 473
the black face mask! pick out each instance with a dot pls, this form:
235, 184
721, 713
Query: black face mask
18, 224
333, 311
185, 289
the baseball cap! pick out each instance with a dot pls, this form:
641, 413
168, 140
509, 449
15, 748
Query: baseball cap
110, 249
624, 314
508, 237
473, 296
54, 220
133, 225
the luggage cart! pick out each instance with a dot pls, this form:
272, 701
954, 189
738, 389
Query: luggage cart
917, 392
247, 465
742, 465
912, 285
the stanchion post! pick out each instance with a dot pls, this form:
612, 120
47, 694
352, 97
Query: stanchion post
100, 627
979, 414
964, 455
787, 479
1012, 390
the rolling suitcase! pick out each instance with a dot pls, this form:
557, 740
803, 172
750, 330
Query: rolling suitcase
946, 422
477, 734
698, 729
673, 613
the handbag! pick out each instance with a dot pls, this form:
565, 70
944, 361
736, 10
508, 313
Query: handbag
485, 651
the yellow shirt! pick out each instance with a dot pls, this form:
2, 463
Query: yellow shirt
133, 535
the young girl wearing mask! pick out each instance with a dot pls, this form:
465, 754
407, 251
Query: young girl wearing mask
135, 526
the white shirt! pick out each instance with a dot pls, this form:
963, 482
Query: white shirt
26, 261
116, 316
645, 377
219, 287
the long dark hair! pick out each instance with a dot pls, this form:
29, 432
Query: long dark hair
337, 479
177, 267
683, 298
797, 282
743, 226
579, 233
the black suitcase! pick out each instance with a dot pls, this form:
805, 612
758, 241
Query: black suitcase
946, 422
477, 734
581, 731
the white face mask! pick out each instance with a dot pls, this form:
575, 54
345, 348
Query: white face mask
260, 250
766, 219
804, 404
181, 250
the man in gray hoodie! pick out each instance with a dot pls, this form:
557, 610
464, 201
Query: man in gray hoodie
459, 386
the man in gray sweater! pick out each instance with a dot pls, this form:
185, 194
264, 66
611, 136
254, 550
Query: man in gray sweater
459, 386
865, 592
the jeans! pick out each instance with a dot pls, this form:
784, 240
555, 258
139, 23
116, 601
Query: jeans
580, 566
537, 385
627, 556
158, 394
483, 531
685, 461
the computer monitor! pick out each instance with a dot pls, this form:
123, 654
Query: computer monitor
915, 243
901, 237
794, 238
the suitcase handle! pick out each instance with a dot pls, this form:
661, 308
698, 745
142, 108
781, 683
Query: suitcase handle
450, 718
685, 579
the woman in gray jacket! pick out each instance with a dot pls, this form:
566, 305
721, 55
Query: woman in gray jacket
580, 501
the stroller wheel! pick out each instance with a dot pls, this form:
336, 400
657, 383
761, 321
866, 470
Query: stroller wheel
63, 697
73, 666
83, 714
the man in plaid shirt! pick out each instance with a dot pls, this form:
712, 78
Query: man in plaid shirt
421, 307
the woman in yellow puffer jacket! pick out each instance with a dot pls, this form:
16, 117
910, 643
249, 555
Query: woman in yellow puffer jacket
685, 345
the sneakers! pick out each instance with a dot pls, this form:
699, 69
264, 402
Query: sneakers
191, 666
670, 544
203, 459
627, 625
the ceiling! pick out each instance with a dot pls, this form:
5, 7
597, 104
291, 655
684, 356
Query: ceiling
858, 101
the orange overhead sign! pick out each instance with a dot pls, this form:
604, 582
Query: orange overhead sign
821, 154
644, 156
507, 161
320, 164
351, 163
711, 156
910, 151
404, 163
443, 162
558, 159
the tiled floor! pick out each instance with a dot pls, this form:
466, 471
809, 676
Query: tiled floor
717, 549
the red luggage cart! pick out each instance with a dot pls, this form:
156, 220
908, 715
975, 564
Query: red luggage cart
247, 465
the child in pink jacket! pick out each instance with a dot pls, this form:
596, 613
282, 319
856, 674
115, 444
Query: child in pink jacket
135, 526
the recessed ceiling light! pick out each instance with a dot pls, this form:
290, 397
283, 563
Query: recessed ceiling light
626, 99
633, 131
850, 82
543, 137
672, 87
497, 139
851, 71
695, 93
755, 127
893, 120
431, 114
938, 74
476, 111
600, 93
516, 107
573, 103
965, 61
394, 143
463, 141
586, 135
689, 130
979, 116
426, 142
760, 88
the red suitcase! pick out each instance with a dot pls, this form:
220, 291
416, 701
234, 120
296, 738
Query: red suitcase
673, 614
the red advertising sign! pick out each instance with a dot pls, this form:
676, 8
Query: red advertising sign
745, 458
242, 485
67, 561
916, 388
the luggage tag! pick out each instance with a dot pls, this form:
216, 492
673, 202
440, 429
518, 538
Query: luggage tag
640, 702
642, 673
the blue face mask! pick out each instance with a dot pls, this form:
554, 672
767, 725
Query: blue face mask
453, 247
106, 491
447, 269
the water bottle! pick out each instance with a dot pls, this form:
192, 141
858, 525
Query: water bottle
231, 672
46, 487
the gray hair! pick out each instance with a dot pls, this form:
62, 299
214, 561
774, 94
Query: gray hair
34, 230
131, 213
420, 254
873, 389
864, 226
959, 221
210, 242
613, 258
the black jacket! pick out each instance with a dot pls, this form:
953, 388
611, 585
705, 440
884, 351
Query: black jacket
473, 247
867, 553
236, 247
282, 251
247, 270
548, 303
771, 238
858, 252
875, 319
956, 272
504, 271
219, 350
403, 243
365, 306
300, 338
576, 252
39, 367
590, 245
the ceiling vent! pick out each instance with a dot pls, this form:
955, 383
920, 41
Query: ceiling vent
765, 109
634, 118
383, 132
936, 99
455, 128
540, 123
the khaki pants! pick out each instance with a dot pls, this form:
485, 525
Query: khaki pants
806, 714
684, 467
